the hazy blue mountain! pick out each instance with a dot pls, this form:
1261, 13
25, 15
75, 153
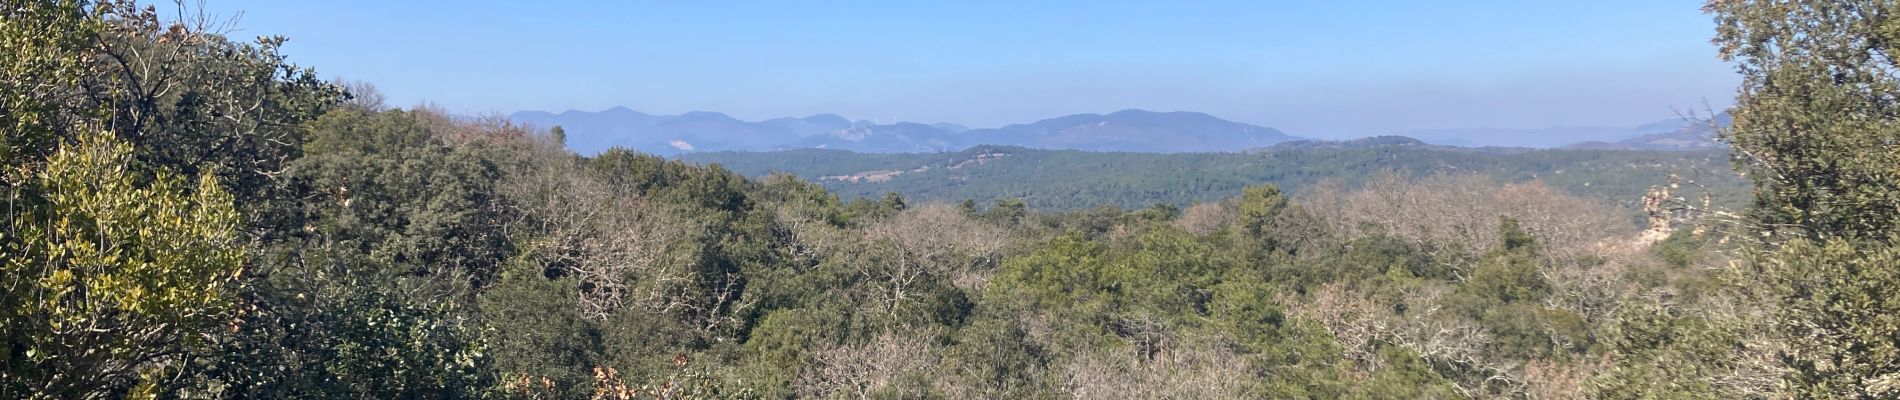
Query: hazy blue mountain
905, 137
1361, 142
1680, 135
1663, 126
1132, 130
591, 132
949, 127
817, 124
708, 131
1512, 137
1694, 137
1555, 137
1128, 130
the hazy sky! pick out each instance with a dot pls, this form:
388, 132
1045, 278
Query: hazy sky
1314, 68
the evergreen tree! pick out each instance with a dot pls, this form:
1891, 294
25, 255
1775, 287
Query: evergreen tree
1817, 127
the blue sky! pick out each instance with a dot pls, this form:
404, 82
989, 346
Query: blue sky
1315, 68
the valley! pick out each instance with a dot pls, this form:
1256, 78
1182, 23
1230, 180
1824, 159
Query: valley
1071, 179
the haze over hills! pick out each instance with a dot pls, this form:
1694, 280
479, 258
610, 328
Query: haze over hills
592, 132
1133, 130
1127, 130
1667, 134
1523, 137
1682, 135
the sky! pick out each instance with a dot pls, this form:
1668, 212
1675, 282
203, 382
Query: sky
1315, 68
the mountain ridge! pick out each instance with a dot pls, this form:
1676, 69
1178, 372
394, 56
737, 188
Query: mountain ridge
1126, 130
1683, 135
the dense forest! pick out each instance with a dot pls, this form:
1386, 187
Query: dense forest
192, 216
1070, 180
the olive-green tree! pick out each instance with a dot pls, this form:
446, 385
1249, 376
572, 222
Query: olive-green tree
1816, 125
107, 281
111, 269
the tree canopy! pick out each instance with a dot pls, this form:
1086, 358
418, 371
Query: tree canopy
189, 216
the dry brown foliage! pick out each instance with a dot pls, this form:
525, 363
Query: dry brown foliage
623, 250
934, 240
1205, 218
1448, 215
1199, 369
1553, 380
1361, 324
862, 370
1456, 218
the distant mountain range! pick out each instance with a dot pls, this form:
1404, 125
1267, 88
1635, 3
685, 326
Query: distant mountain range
1133, 130
592, 132
1126, 130
1670, 134
1123, 131
1683, 135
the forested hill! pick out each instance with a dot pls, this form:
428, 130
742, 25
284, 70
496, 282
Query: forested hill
1069, 179
189, 216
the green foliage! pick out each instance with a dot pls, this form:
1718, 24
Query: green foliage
364, 252
1812, 124
48, 44
1006, 212
1815, 129
363, 340
106, 277
1259, 205
784, 340
1668, 354
1065, 272
366, 290
539, 331
1509, 275
1505, 293
1681, 248
893, 201
994, 358
391, 188
1839, 304
1407, 376
1158, 285
202, 103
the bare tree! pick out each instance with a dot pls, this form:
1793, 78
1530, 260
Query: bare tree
621, 248
1454, 218
1362, 325
933, 241
863, 370
1205, 218
362, 95
1355, 321
1545, 379
1458, 215
1202, 368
